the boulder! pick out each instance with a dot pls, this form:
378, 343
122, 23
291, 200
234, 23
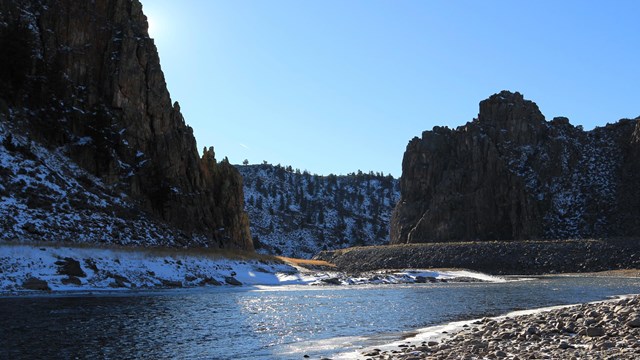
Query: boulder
332, 281
232, 281
209, 281
421, 279
171, 283
374, 352
70, 267
119, 281
71, 280
34, 283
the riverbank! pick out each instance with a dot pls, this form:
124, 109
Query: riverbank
500, 258
47, 267
601, 330
26, 268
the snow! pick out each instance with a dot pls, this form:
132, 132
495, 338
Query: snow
45, 196
453, 274
141, 268
580, 169
296, 214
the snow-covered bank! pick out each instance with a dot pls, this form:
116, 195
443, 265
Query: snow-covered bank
62, 268
408, 276
26, 267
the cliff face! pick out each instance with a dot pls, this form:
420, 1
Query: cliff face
511, 175
85, 76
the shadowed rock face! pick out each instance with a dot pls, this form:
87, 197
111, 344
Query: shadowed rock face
511, 175
84, 75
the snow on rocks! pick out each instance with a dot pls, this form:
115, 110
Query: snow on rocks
44, 196
298, 214
407, 276
64, 268
25, 267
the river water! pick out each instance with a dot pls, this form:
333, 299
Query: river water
265, 323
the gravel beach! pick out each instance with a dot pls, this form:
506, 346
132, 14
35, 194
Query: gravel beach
507, 257
603, 330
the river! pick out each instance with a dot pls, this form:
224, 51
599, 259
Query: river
265, 322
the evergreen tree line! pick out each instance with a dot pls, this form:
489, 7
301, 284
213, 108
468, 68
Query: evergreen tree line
339, 211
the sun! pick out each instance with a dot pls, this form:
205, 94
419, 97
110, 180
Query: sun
153, 26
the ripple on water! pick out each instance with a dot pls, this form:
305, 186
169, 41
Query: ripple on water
274, 323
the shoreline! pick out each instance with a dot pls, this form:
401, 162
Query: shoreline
623, 273
37, 269
27, 269
600, 329
526, 257
34, 269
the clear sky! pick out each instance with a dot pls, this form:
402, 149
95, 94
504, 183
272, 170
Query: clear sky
335, 86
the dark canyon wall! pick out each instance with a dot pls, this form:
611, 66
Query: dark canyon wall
85, 77
512, 175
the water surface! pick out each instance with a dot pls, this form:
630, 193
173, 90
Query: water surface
265, 323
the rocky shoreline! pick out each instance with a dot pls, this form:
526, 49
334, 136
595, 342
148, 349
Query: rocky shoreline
602, 330
494, 257
40, 268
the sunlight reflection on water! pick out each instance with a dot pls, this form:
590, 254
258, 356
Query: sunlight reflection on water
265, 322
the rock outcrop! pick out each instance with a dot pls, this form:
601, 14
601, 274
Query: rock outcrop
85, 77
512, 175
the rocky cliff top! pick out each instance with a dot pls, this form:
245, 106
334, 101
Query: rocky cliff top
85, 78
510, 175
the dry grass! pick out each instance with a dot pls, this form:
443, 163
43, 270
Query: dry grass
158, 251
306, 262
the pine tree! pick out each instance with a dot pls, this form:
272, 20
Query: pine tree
311, 189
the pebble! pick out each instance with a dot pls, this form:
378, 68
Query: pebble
564, 345
596, 330
634, 322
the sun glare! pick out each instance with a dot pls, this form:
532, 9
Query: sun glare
153, 28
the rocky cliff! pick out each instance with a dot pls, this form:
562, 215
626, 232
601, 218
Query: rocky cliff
512, 175
84, 78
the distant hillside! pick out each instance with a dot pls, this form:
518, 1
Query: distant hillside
297, 214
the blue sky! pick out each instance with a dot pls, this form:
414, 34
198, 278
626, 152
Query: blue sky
340, 86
